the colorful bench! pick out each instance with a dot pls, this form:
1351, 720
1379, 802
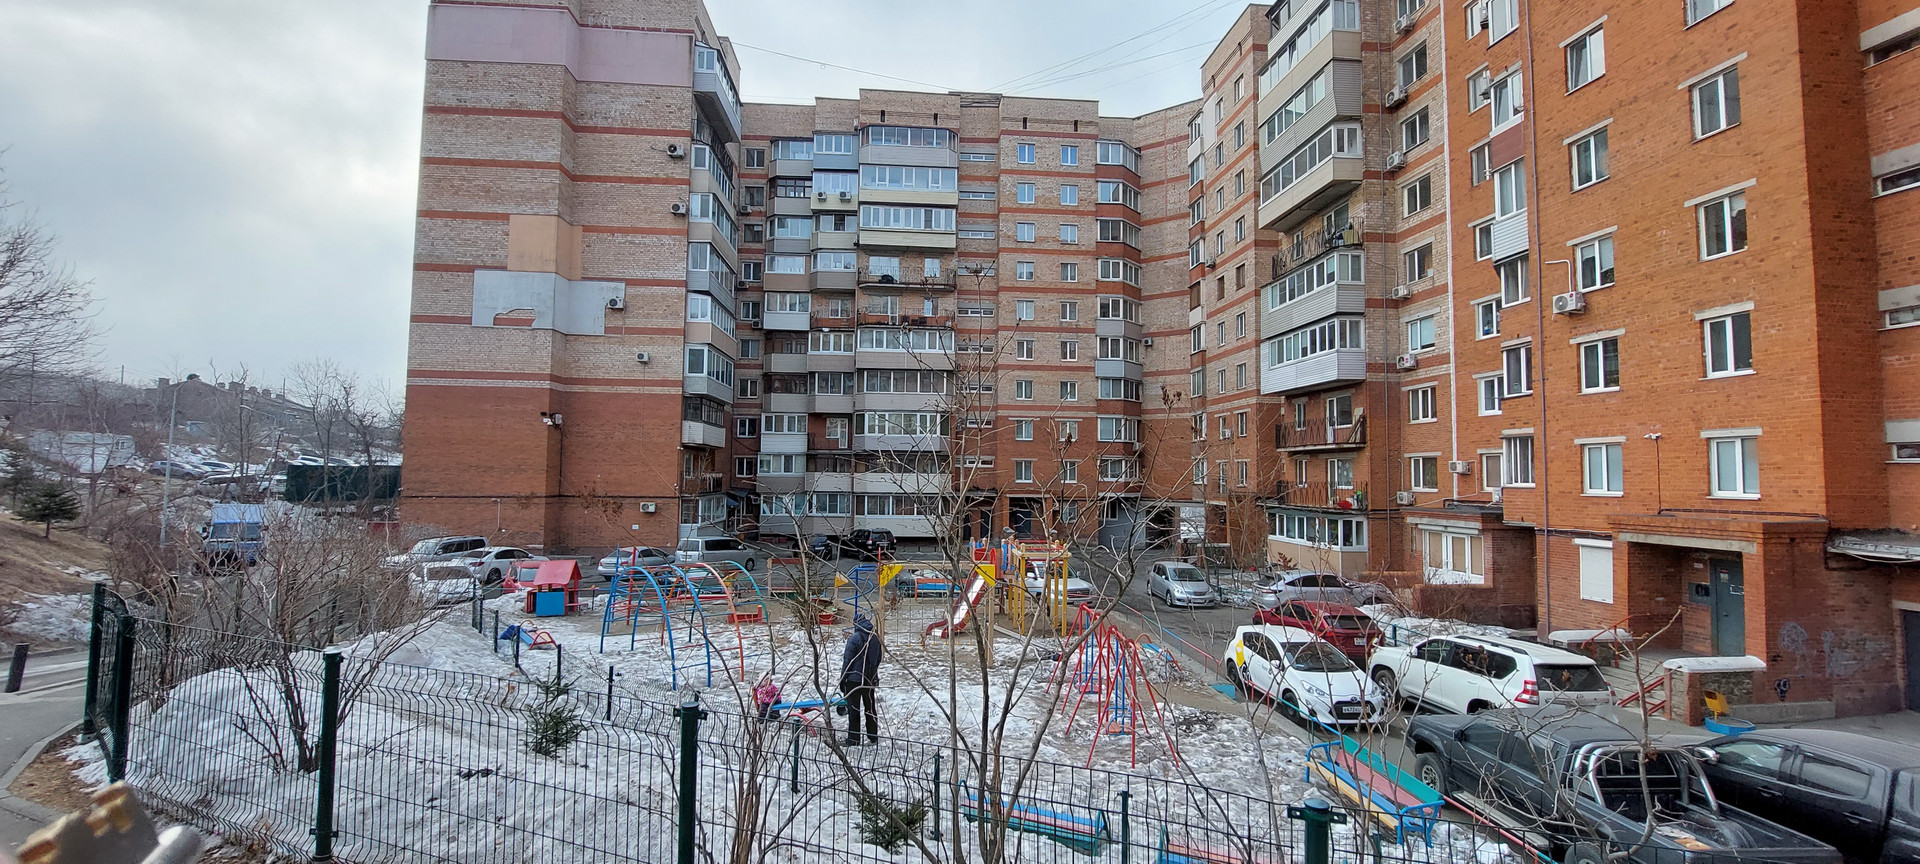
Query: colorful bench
806, 712
1395, 799
1183, 853
1082, 834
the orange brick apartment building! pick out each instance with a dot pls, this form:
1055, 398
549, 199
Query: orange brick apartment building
1574, 315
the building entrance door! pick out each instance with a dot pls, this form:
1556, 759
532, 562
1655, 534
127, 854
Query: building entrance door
1729, 607
1910, 622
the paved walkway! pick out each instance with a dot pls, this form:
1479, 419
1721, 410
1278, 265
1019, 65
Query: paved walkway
48, 706
1900, 727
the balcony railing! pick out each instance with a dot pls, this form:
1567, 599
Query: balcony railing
703, 484
895, 277
1322, 496
878, 315
828, 319
1319, 436
1313, 244
822, 442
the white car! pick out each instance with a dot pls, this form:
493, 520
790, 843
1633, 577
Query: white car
1321, 587
215, 466
1304, 674
1469, 674
631, 556
1078, 590
445, 585
489, 564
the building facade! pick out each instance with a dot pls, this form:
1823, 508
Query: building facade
1510, 304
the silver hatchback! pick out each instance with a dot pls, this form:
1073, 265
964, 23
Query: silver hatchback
1177, 583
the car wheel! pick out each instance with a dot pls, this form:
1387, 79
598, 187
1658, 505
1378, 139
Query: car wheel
1290, 707
493, 576
1584, 853
1477, 706
1428, 768
1237, 678
1389, 688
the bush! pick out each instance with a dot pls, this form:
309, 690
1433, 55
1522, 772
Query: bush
47, 505
889, 825
553, 725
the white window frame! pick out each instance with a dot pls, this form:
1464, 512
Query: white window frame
1481, 318
1732, 214
1744, 444
1600, 251
1418, 341
1023, 470
1594, 351
1596, 569
1601, 459
1523, 385
1592, 60
1515, 471
1490, 389
1589, 151
1421, 404
1729, 359
1712, 91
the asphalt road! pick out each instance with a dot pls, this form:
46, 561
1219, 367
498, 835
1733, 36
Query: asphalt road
47, 705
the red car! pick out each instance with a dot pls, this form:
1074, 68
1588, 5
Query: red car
1342, 626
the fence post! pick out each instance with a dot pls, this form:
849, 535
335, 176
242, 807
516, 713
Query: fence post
323, 832
793, 785
496, 631
936, 795
609, 692
556, 664
17, 670
1126, 826
87, 726
690, 716
1320, 818
122, 699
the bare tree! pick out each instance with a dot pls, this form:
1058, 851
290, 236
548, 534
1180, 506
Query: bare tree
46, 313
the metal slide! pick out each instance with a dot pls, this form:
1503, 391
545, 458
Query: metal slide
977, 590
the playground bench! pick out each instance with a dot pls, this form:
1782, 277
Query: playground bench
1397, 800
1082, 834
805, 712
1184, 853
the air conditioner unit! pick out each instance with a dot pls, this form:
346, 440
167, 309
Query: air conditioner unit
1404, 23
643, 357
1396, 97
1147, 341
1570, 303
616, 302
1396, 160
1485, 11
678, 209
820, 196
1406, 362
1400, 292
846, 196
1460, 467
676, 151
1404, 499
649, 507
1209, 262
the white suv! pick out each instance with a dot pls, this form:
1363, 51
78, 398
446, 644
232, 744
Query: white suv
1468, 674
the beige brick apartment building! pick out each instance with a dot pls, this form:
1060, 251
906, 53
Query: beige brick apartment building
1576, 315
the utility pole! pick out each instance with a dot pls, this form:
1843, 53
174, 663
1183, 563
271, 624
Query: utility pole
166, 485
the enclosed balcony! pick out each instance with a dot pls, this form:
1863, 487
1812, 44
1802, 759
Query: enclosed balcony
902, 443
714, 91
1509, 235
1326, 369
1325, 169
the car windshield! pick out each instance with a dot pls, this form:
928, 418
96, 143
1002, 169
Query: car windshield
689, 546
1186, 573
1569, 678
1349, 622
424, 547
1317, 657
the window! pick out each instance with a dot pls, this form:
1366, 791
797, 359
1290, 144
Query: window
1516, 458
1024, 153
1735, 467
1729, 344
1483, 240
1023, 193
1197, 340
830, 342
1486, 315
1126, 429
1897, 181
1723, 226
1517, 369
1117, 192
1698, 9
1595, 263
756, 158
1241, 470
1117, 348
1340, 139
1490, 478
837, 262
1420, 404
1414, 131
1023, 430
1508, 101
1586, 58
1240, 378
1503, 17
1423, 473
1023, 310
1120, 388
1417, 264
1340, 473
1240, 229
1116, 153
746, 427
1340, 411
889, 177
1904, 316
1118, 469
1199, 472
1023, 468
1413, 65
1490, 389
1070, 349
1479, 171
1510, 189
1513, 281
897, 218
1070, 390
1023, 271
1600, 365
1023, 349
1339, 533
1069, 154
753, 271
749, 349
1590, 160
1479, 89
1069, 232
1118, 270
1449, 558
1420, 334
1023, 389
1069, 194
1240, 325
1596, 570
1070, 471
749, 388
1602, 468
1023, 232
1716, 103
1418, 194
1834, 777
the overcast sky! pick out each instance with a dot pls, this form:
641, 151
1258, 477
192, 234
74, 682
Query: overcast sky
238, 180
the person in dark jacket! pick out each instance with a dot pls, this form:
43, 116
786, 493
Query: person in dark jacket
859, 674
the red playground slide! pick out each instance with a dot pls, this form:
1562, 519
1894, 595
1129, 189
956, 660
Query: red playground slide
962, 609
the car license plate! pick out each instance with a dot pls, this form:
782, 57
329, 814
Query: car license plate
1346, 710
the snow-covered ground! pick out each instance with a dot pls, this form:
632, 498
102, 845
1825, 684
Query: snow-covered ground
54, 617
434, 754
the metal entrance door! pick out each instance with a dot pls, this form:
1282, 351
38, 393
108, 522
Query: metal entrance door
1729, 607
1910, 622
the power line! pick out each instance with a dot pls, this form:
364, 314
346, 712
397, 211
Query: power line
1061, 79
941, 87
1197, 12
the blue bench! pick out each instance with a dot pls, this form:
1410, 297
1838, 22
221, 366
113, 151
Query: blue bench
1394, 798
1082, 834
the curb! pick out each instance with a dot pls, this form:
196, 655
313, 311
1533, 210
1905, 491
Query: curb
17, 804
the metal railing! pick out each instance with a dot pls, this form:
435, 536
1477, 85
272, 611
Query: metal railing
1322, 496
1286, 437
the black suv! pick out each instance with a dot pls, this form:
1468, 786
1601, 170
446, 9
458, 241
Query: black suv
866, 543
1858, 793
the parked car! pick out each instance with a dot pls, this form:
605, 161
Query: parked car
1305, 674
1078, 590
489, 564
1469, 674
433, 549
305, 459
1323, 587
707, 550
445, 586
1860, 794
165, 467
1177, 583
824, 545
631, 556
1583, 789
215, 466
868, 543
1342, 626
